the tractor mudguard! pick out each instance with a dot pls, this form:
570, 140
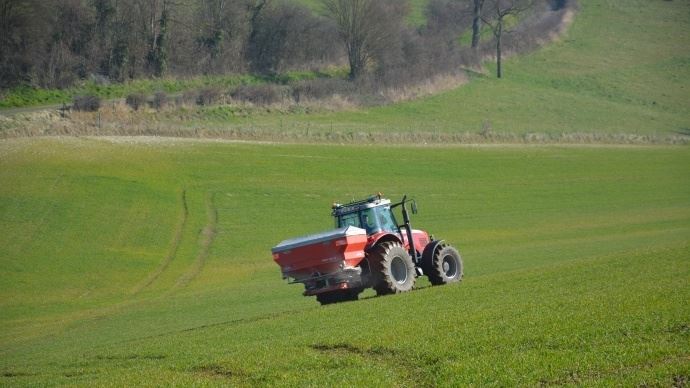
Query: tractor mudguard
381, 237
429, 251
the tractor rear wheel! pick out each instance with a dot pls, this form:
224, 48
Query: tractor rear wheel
338, 296
445, 266
392, 268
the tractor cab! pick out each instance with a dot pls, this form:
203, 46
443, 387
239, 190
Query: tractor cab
373, 214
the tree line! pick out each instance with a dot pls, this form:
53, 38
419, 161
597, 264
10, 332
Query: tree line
54, 44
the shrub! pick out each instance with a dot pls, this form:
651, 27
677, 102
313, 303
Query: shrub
208, 96
261, 94
136, 100
321, 88
160, 100
86, 103
188, 97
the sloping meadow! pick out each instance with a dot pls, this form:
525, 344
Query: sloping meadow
147, 262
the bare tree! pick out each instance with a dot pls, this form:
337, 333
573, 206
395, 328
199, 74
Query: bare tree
289, 36
254, 8
16, 34
223, 27
476, 21
498, 11
154, 18
365, 27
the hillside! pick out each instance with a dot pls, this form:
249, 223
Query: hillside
622, 68
600, 82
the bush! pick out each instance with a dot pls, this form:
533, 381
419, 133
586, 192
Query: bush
208, 96
86, 103
321, 88
187, 98
136, 100
261, 94
160, 100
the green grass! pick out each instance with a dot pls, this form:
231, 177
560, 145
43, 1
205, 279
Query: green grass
576, 265
623, 67
149, 263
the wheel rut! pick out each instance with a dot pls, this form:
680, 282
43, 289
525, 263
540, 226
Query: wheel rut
172, 252
206, 238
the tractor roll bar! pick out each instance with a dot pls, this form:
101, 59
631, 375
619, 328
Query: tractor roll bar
408, 228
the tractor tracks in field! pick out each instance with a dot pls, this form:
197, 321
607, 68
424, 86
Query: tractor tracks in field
170, 269
172, 253
206, 238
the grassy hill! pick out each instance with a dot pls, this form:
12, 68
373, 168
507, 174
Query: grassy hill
149, 263
620, 73
623, 67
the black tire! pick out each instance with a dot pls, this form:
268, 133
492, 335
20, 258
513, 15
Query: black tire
445, 266
338, 296
392, 269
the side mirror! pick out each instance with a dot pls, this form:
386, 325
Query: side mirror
414, 207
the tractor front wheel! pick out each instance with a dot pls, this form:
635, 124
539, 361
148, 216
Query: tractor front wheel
445, 266
392, 268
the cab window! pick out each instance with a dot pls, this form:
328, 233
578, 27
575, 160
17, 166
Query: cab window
386, 219
351, 219
369, 221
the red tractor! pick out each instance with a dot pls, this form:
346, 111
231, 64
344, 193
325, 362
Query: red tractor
368, 248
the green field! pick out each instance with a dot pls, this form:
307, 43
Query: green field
149, 264
146, 261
